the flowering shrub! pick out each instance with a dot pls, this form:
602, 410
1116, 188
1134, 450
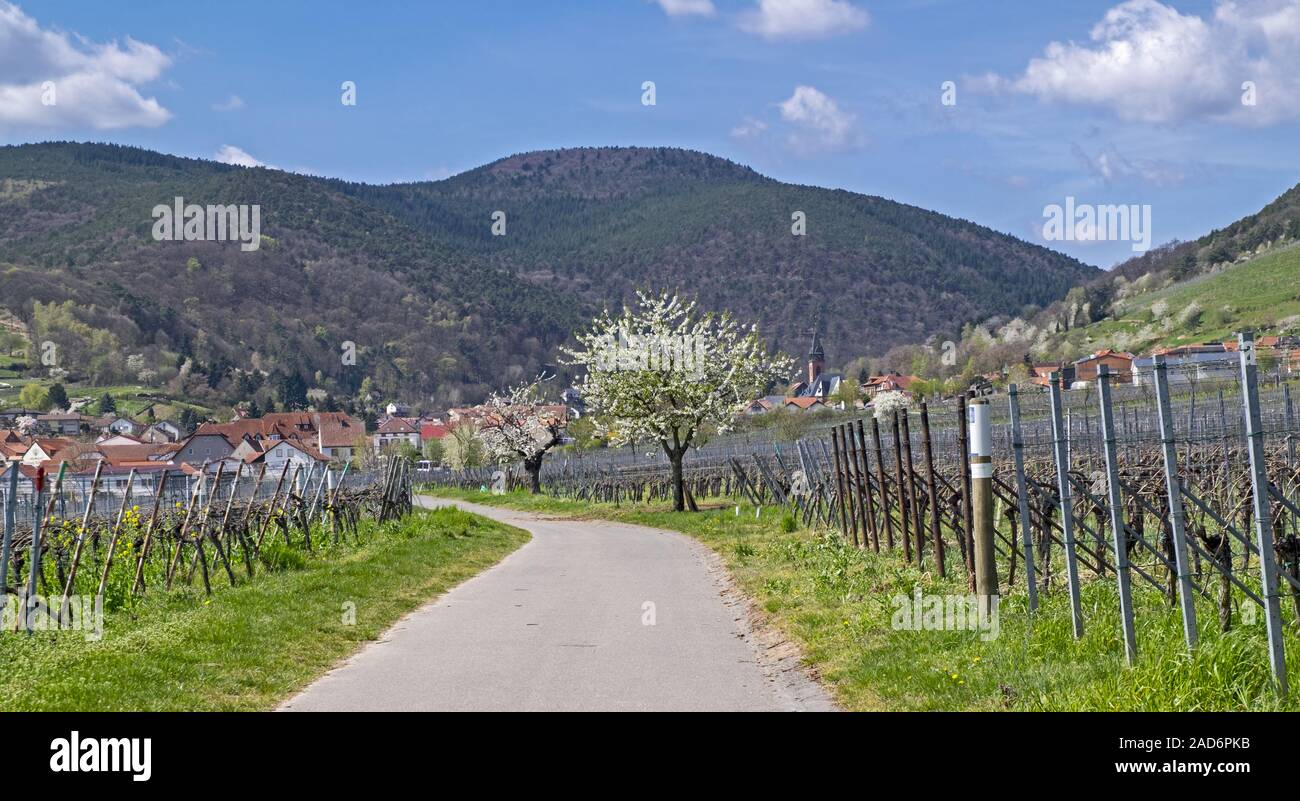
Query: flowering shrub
887, 403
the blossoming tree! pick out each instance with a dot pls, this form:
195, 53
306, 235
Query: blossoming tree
516, 427
661, 370
889, 403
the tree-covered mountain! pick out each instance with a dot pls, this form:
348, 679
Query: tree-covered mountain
438, 307
600, 222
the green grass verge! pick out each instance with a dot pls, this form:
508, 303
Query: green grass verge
837, 602
250, 646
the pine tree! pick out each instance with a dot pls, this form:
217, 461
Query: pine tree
58, 397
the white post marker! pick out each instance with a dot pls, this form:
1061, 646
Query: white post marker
979, 425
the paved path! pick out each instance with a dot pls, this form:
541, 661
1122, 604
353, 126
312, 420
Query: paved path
558, 625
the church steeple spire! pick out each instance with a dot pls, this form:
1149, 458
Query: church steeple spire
815, 350
816, 356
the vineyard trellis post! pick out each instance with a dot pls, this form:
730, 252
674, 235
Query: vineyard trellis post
112, 541
932, 492
839, 480
1262, 510
159, 490
901, 485
38, 513
870, 508
82, 533
856, 469
1067, 506
1115, 500
11, 515
914, 504
884, 486
1022, 495
967, 526
1290, 426
1173, 490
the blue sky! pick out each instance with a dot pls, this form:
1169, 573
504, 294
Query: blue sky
1137, 103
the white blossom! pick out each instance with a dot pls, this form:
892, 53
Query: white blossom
724, 365
515, 427
886, 403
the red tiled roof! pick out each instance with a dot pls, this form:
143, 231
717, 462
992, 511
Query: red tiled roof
335, 428
803, 403
52, 446
396, 425
125, 454
889, 382
430, 431
341, 431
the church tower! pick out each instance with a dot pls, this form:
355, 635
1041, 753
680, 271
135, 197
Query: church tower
816, 358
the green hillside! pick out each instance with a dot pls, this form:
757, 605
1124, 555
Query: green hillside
1262, 294
1243, 276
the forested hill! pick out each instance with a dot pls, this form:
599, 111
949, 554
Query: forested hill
438, 306
425, 319
599, 222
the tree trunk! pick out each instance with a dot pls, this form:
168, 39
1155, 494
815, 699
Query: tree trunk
679, 488
534, 469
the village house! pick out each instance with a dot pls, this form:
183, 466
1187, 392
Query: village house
430, 431
117, 439
764, 404
61, 424
123, 425
1189, 364
276, 455
1120, 364
395, 432
139, 454
804, 404
207, 444
888, 382
338, 436
333, 435
1041, 374
42, 450
162, 431
12, 445
465, 414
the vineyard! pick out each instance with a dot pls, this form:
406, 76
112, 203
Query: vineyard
1194, 497
71, 540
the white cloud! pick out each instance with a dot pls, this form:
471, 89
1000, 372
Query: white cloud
234, 103
229, 154
807, 123
749, 128
1150, 63
1109, 166
818, 122
93, 85
803, 19
686, 8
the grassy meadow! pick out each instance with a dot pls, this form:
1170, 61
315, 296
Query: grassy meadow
250, 646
